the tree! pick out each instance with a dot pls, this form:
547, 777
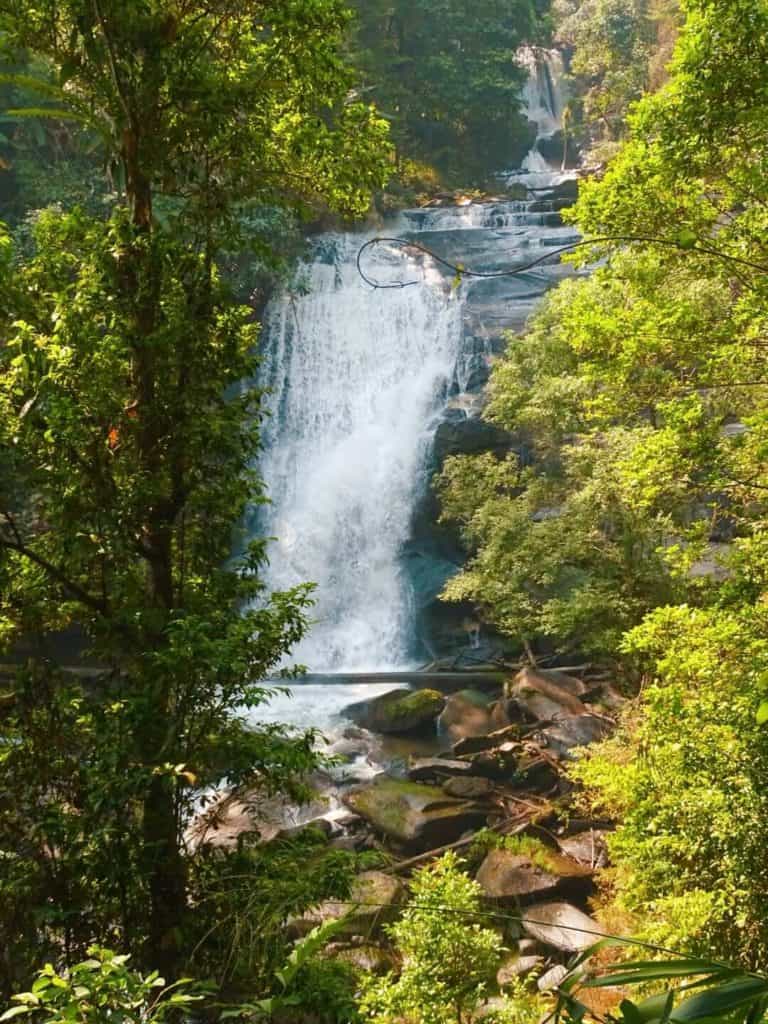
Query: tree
446, 76
127, 438
643, 392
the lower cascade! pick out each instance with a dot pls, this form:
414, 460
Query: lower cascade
361, 380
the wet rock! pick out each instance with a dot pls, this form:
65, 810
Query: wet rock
468, 788
418, 816
374, 901
551, 978
560, 925
466, 713
586, 848
319, 826
468, 437
399, 711
517, 967
428, 769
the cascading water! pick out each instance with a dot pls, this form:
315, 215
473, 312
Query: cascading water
356, 377
359, 380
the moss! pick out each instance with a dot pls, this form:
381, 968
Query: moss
419, 704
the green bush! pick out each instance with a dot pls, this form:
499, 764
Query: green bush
447, 956
99, 990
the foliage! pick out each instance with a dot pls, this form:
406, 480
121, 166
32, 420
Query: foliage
251, 891
686, 778
638, 530
309, 984
619, 51
127, 446
447, 957
101, 988
444, 75
728, 994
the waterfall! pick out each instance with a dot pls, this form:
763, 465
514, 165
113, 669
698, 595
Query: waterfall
359, 380
356, 376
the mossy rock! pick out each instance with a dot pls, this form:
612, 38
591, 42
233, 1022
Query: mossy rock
419, 817
399, 712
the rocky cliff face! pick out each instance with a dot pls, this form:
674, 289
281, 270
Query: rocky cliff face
489, 237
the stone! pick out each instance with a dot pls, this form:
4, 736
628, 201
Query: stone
535, 870
507, 876
468, 787
374, 901
469, 437
321, 826
578, 731
399, 711
466, 713
423, 769
560, 925
552, 978
474, 744
586, 848
418, 816
534, 772
544, 697
516, 967
497, 763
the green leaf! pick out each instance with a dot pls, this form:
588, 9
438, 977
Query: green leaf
716, 1002
16, 1011
761, 715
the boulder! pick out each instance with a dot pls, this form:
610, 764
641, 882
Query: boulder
545, 696
466, 713
468, 437
318, 826
468, 787
366, 958
552, 978
577, 731
509, 875
399, 711
534, 772
586, 848
428, 769
474, 744
418, 816
560, 925
374, 901
516, 967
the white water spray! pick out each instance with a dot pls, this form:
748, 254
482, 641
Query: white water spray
357, 375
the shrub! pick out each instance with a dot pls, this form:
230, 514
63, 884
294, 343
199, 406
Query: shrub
447, 956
